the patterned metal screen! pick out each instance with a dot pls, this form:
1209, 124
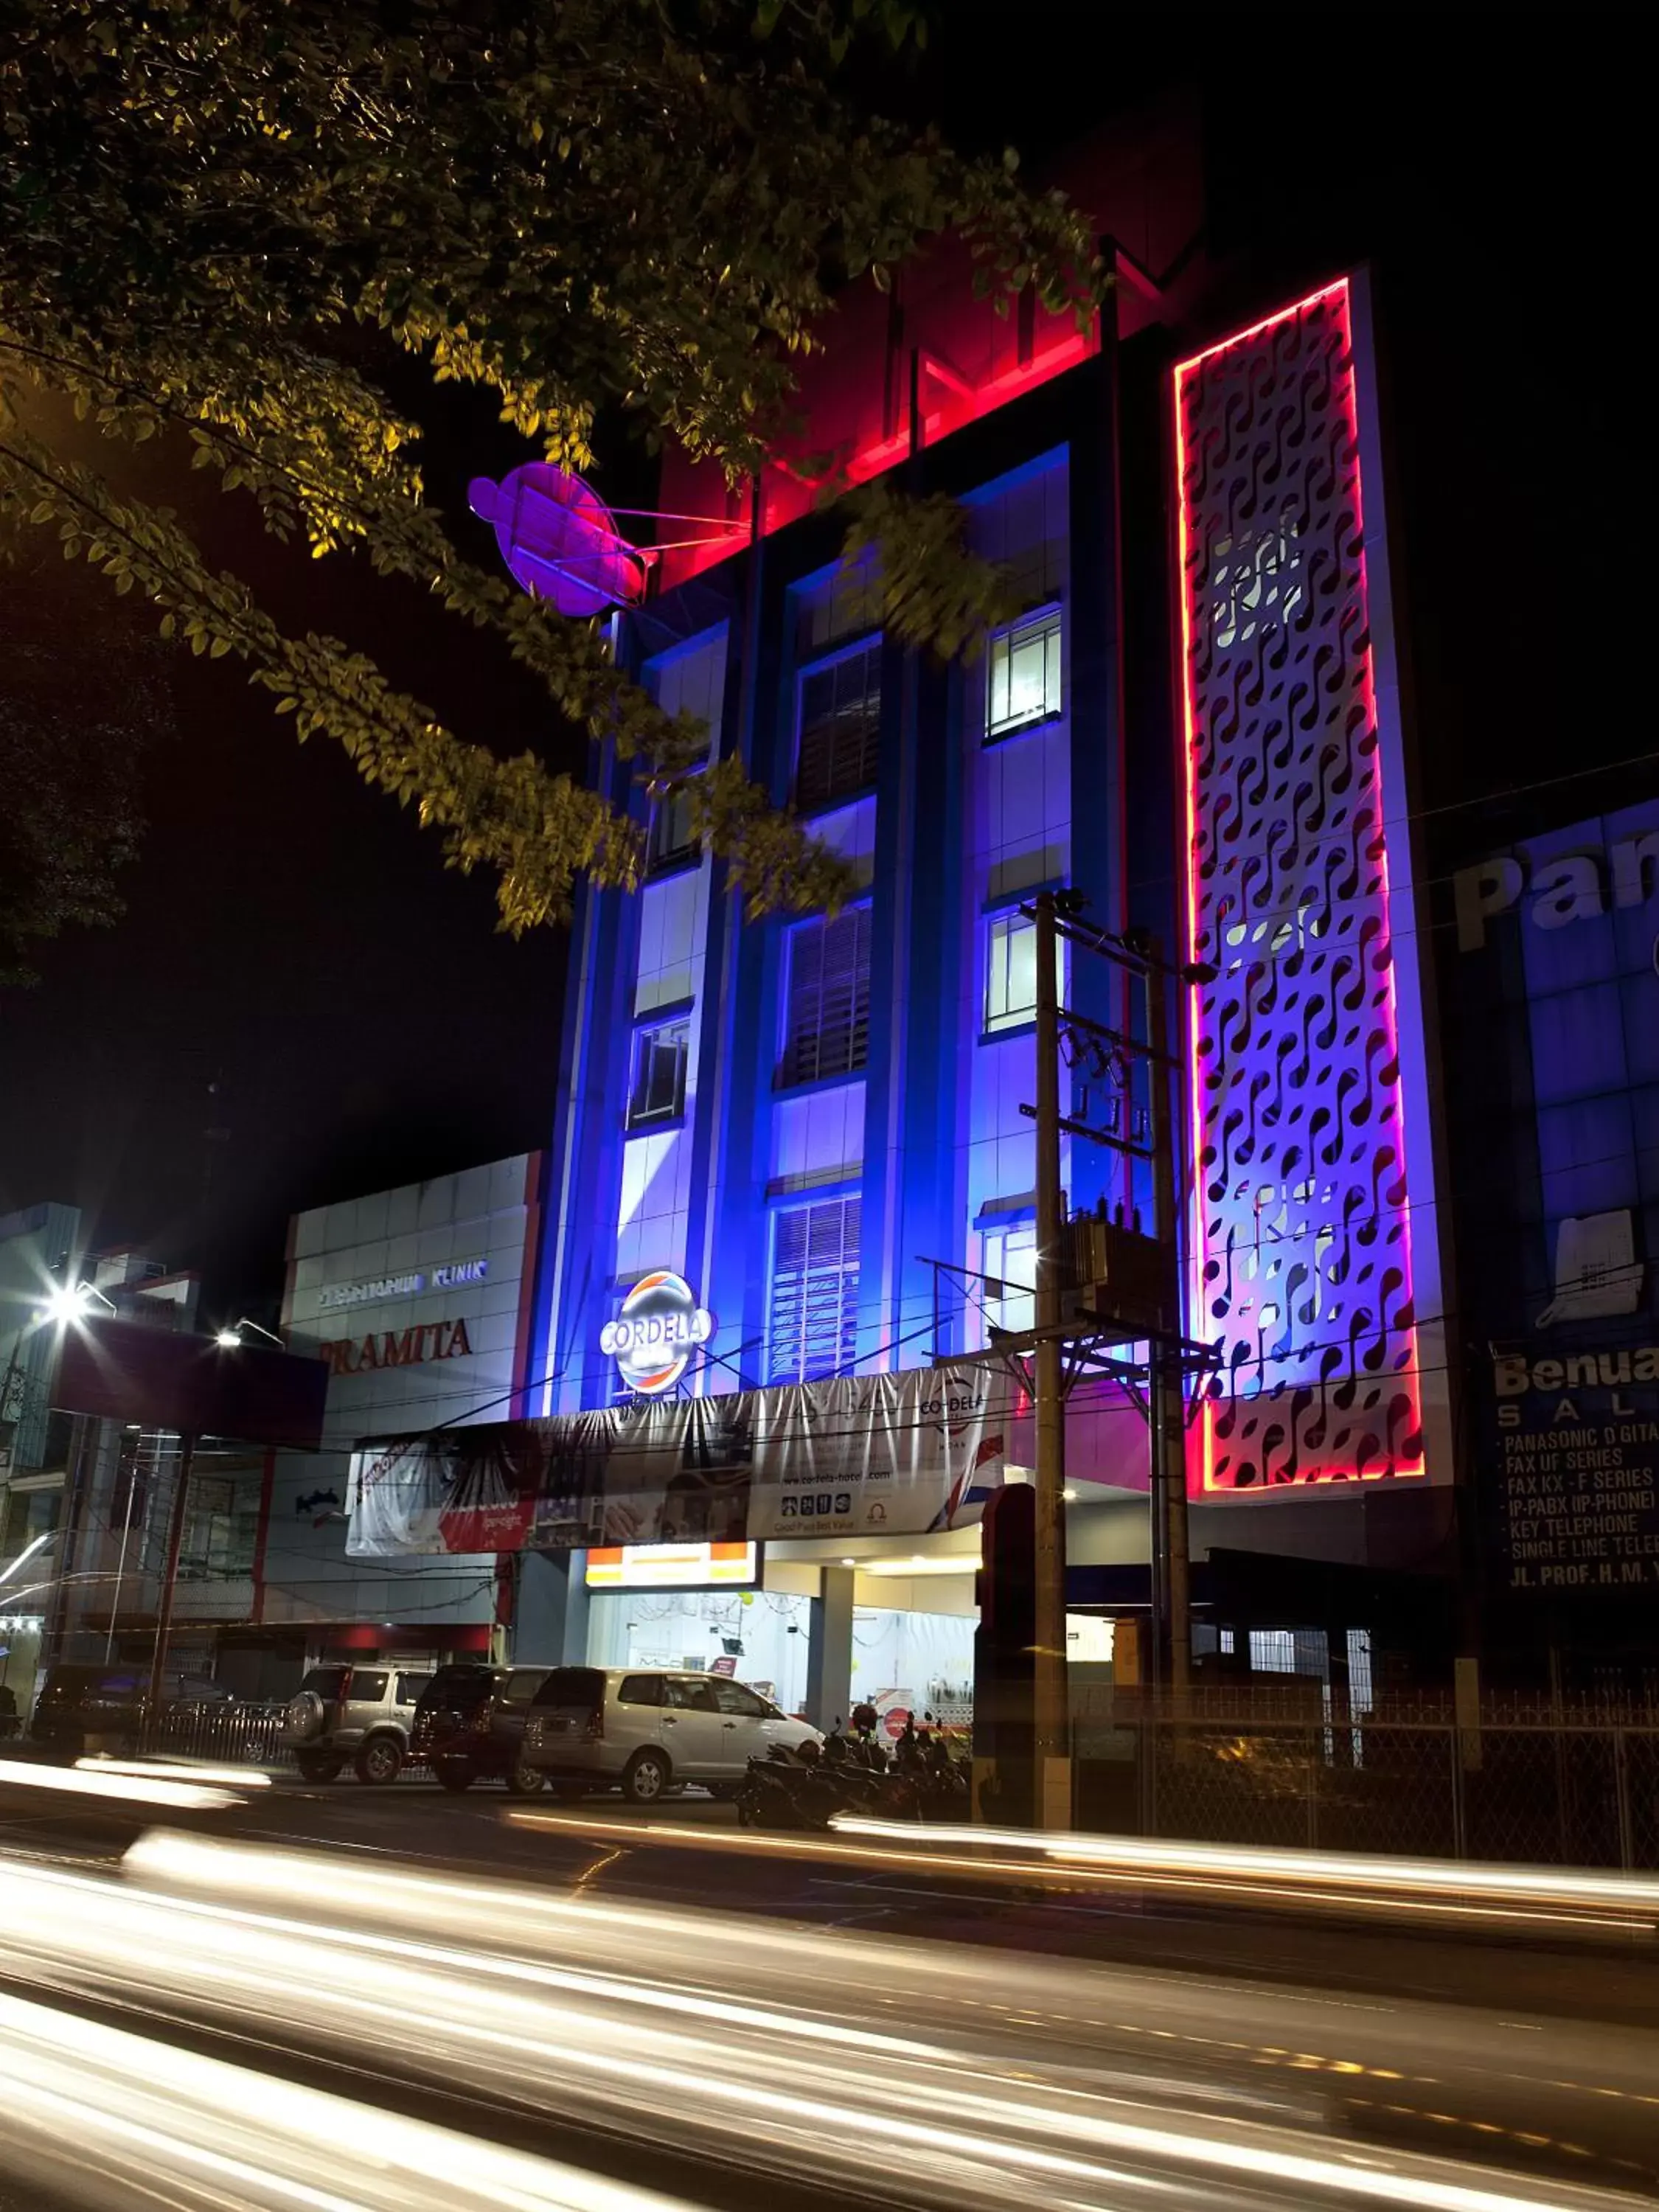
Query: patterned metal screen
1302, 1224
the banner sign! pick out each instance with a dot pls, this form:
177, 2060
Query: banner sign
1556, 989
896, 1454
1575, 1467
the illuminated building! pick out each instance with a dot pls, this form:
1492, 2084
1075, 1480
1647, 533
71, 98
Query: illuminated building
818, 1126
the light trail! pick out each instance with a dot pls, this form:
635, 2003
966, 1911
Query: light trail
113, 2119
1436, 1892
825, 2059
122, 1784
199, 1770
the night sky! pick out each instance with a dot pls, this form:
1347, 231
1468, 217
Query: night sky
293, 939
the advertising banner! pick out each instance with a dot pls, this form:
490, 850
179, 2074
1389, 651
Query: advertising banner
1558, 963
896, 1454
1575, 1468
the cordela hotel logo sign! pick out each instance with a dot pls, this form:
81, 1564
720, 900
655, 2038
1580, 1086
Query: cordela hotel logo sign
659, 1326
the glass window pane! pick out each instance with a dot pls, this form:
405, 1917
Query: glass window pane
657, 1090
838, 738
1010, 1261
1010, 972
1024, 680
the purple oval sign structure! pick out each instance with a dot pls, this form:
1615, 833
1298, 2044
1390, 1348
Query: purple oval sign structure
559, 539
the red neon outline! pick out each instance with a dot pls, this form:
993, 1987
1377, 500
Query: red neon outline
1337, 289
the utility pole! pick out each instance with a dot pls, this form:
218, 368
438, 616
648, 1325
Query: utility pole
1052, 1732
1169, 1400
169, 1584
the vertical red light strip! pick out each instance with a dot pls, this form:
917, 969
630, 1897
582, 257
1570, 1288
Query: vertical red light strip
1211, 1409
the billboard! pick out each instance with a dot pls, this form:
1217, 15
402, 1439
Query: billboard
1557, 952
891, 1455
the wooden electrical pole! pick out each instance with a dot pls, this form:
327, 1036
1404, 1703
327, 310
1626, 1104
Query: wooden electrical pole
1169, 1415
1052, 1764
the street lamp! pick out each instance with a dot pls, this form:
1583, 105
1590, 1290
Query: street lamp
68, 1302
230, 1338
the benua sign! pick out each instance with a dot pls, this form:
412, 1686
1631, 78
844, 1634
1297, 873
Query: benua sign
660, 1327
1572, 887
1573, 1471
410, 1285
408, 1348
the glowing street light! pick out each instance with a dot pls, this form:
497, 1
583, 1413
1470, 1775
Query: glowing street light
71, 1302
230, 1338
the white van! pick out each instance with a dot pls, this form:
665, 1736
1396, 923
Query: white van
645, 1730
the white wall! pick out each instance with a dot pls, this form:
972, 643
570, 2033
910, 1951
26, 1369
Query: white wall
481, 1213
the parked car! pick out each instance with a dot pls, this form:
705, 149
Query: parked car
646, 1730
84, 1710
470, 1724
364, 1714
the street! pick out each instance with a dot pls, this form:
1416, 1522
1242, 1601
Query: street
684, 2008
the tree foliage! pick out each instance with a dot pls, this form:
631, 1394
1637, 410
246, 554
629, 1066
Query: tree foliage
213, 212
76, 725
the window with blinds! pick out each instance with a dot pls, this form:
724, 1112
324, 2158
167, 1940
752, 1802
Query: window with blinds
812, 1307
827, 1030
839, 738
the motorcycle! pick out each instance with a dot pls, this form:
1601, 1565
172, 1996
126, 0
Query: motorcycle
786, 1789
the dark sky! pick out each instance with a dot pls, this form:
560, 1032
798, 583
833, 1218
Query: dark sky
293, 938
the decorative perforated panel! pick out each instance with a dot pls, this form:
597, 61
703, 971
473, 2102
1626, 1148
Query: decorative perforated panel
1303, 1229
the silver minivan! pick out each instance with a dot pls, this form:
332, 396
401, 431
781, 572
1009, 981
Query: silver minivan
646, 1730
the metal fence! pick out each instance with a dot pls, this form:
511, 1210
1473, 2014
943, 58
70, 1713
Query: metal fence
233, 1734
1573, 1793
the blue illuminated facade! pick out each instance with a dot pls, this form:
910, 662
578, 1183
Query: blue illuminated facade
821, 1125
798, 1115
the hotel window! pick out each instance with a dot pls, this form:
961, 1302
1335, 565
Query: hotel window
671, 842
812, 1307
1008, 1260
839, 737
1010, 972
827, 1029
1024, 673
656, 1090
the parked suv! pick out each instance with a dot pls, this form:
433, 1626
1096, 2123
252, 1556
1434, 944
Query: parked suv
470, 1724
646, 1730
364, 1714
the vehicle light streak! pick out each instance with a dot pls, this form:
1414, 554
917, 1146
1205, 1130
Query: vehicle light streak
1438, 1892
673, 2040
1470, 1887
127, 1786
116, 2119
161, 1770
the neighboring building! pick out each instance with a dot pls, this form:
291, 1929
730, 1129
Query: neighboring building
39, 1248
1550, 972
418, 1301
816, 1130
116, 1399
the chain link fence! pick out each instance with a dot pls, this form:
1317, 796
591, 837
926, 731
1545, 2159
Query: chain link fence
1579, 1791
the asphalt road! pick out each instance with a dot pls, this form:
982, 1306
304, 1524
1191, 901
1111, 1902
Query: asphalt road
1539, 2057
417, 1822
